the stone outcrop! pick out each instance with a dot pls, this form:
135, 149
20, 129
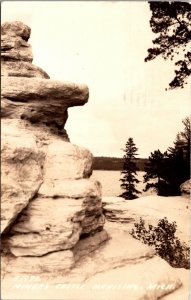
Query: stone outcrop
21, 172
185, 188
26, 92
48, 203
53, 224
122, 268
150, 208
21, 69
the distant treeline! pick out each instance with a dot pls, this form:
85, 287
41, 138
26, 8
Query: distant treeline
115, 163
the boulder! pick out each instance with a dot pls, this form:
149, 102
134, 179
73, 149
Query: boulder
49, 225
16, 28
185, 188
14, 46
66, 161
41, 101
15, 49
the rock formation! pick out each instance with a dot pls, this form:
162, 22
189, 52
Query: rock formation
185, 188
48, 200
53, 228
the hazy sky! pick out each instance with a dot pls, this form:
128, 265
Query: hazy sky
103, 44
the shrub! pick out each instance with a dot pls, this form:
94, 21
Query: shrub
163, 238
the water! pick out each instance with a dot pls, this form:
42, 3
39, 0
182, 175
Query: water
111, 184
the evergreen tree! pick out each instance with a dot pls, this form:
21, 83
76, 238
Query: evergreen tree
167, 171
129, 172
171, 22
155, 173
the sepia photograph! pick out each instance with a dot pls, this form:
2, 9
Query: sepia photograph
95, 150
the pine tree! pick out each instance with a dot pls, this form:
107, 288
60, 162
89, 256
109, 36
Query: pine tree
156, 169
129, 172
170, 20
167, 171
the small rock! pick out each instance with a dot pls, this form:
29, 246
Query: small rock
185, 188
16, 29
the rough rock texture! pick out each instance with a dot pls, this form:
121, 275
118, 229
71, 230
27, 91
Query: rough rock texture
26, 92
53, 224
16, 28
112, 271
51, 210
185, 188
21, 69
40, 101
21, 172
14, 46
151, 209
76, 162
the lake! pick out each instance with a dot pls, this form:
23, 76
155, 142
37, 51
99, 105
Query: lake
111, 184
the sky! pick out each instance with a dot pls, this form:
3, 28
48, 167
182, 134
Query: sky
103, 44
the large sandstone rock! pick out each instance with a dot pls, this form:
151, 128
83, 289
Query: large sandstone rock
14, 46
185, 188
16, 28
66, 161
53, 224
131, 271
40, 101
56, 263
21, 172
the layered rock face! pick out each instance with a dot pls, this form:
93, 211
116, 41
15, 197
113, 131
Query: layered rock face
48, 200
26, 92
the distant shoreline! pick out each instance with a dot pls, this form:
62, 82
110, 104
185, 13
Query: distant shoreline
115, 163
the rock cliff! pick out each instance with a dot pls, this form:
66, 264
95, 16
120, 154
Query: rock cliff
48, 200
55, 241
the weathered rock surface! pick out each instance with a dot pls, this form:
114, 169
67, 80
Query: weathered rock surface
49, 224
16, 29
21, 176
113, 271
40, 101
76, 162
14, 46
21, 69
60, 261
16, 49
185, 188
151, 209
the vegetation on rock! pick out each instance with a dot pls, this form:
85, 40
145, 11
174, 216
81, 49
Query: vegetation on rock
166, 244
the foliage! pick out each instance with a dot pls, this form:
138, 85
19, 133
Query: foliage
165, 172
155, 172
129, 171
163, 238
171, 21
